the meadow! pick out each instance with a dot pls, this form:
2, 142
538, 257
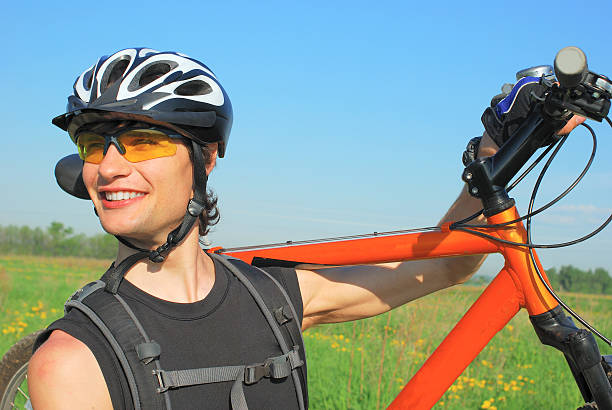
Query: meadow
357, 365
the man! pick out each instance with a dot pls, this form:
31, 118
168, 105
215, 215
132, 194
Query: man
149, 127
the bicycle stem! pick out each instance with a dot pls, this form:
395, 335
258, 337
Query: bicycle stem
488, 177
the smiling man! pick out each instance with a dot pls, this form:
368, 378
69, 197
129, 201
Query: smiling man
185, 328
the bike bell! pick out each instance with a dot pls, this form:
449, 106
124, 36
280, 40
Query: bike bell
545, 71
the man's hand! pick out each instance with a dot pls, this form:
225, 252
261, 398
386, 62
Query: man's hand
488, 147
573, 122
503, 118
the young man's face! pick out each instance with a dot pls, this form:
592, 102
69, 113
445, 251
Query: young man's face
142, 200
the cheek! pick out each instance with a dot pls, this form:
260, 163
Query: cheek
177, 176
89, 175
183, 171
184, 179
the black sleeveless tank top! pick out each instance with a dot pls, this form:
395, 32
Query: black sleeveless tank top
225, 328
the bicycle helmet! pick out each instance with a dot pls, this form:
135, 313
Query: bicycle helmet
167, 89
155, 87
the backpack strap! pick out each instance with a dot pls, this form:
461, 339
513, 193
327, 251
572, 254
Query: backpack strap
276, 306
136, 352
139, 355
277, 367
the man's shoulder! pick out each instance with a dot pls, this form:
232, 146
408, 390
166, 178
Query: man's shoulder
61, 352
64, 369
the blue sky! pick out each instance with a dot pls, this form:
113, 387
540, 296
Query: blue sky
349, 118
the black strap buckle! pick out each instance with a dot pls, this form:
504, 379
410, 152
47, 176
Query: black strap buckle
160, 379
195, 208
156, 255
255, 372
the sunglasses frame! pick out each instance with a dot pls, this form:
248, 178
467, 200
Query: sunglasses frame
114, 139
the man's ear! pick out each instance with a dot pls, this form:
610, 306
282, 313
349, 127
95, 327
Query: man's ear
213, 149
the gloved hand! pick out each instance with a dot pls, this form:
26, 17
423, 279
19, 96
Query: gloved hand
506, 116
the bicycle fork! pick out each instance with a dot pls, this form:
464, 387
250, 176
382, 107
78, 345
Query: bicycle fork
578, 346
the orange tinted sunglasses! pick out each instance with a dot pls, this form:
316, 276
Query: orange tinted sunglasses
135, 145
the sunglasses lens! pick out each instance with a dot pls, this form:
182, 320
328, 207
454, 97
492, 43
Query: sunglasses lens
139, 145
91, 147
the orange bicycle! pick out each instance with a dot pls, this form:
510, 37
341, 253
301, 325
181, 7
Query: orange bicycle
521, 283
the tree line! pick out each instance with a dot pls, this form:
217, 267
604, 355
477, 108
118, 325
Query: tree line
568, 278
55, 240
571, 279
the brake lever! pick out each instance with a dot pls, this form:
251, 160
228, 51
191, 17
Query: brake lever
589, 99
579, 90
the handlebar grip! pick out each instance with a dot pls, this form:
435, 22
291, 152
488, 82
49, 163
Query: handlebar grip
570, 66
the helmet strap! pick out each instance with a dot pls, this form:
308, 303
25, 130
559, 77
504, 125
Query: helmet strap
195, 207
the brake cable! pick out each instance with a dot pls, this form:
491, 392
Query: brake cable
531, 213
562, 195
537, 269
331, 239
510, 187
469, 228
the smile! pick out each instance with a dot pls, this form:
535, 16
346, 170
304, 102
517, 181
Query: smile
121, 195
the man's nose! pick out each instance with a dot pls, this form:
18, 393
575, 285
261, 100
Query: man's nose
113, 164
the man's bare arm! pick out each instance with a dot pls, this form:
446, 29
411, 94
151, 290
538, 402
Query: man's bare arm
64, 374
344, 293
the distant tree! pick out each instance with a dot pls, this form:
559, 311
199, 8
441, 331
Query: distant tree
602, 281
105, 245
478, 280
55, 240
553, 277
571, 279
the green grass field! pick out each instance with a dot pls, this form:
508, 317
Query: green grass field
358, 365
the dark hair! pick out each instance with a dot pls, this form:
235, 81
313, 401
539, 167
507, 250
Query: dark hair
210, 216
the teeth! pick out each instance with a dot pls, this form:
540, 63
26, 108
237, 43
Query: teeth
121, 195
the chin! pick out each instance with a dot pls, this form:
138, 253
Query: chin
146, 235
125, 227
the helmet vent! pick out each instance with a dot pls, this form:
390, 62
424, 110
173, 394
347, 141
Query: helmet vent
116, 72
153, 72
88, 80
195, 87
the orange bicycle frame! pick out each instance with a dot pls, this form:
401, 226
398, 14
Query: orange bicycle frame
516, 286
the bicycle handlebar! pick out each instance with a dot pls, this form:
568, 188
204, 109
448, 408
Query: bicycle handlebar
579, 92
570, 66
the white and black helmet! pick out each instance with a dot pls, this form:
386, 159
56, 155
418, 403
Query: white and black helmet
167, 89
155, 87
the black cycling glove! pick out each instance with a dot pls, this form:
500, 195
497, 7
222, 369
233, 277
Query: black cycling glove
504, 117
